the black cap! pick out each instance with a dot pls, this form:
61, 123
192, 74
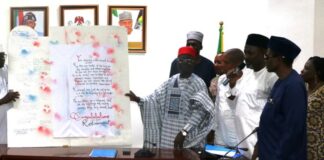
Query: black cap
284, 47
257, 40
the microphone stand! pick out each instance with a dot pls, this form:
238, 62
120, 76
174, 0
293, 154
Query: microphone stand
145, 152
236, 146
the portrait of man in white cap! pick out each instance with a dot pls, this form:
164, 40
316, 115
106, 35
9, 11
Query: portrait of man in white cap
125, 19
133, 20
35, 19
30, 20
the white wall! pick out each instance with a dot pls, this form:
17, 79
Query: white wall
319, 28
168, 21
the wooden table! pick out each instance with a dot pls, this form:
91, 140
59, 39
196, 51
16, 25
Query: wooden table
82, 153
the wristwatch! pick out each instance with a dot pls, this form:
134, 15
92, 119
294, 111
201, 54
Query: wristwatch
228, 94
231, 93
184, 132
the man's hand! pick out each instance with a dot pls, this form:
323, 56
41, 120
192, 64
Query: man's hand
211, 137
233, 76
213, 87
255, 154
178, 141
132, 96
9, 97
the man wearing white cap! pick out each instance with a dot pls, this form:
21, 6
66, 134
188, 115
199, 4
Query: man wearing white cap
125, 19
204, 68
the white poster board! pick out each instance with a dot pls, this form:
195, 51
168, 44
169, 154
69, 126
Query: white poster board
71, 86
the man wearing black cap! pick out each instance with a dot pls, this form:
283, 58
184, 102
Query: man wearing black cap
282, 128
257, 84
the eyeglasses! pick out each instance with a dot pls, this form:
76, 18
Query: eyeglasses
186, 60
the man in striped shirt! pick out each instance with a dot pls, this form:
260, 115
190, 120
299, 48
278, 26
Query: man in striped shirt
179, 113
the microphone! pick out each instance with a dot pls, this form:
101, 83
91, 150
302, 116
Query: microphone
237, 69
232, 148
236, 146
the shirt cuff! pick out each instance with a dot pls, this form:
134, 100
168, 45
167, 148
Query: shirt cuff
187, 127
141, 102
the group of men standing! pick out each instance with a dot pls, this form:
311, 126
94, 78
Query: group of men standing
267, 96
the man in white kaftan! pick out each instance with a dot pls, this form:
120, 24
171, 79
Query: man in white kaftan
179, 113
6, 97
251, 99
4, 107
225, 131
254, 91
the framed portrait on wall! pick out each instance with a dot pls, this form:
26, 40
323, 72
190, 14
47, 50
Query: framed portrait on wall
133, 18
34, 17
79, 15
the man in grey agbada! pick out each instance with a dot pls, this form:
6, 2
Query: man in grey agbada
180, 112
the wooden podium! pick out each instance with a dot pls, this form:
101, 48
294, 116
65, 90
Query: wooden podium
82, 153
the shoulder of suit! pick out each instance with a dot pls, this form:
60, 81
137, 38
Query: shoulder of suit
206, 60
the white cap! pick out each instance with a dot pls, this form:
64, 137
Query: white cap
125, 15
195, 35
29, 16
